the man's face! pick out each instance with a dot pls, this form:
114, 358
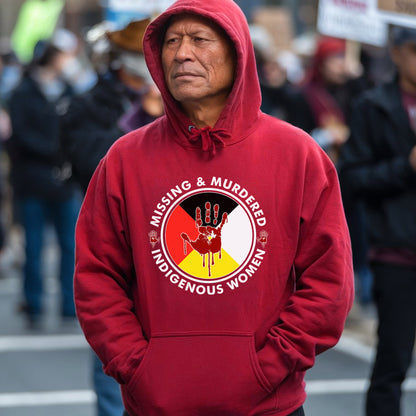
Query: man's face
198, 61
404, 57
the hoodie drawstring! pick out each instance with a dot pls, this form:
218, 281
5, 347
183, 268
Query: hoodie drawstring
209, 137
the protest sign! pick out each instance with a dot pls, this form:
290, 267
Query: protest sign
121, 12
37, 20
355, 20
400, 12
406, 7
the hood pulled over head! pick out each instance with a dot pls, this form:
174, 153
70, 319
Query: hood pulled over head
243, 105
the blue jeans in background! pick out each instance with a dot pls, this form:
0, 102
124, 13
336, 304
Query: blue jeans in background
35, 214
108, 392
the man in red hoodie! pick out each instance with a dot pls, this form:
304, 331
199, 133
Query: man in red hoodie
213, 257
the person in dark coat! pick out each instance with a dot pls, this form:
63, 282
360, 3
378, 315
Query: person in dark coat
378, 166
330, 90
40, 179
280, 97
122, 100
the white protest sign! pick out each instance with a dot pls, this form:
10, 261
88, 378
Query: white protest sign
399, 12
120, 12
141, 6
356, 20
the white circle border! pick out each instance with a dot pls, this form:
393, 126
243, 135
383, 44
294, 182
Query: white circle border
193, 278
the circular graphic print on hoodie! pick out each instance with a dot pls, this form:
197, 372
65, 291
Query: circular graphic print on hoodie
208, 236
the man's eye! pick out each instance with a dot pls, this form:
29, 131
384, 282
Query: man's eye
171, 41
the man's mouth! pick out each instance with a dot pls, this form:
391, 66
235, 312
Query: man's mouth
185, 75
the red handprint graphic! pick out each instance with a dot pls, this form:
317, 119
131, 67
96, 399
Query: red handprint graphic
153, 237
262, 238
209, 239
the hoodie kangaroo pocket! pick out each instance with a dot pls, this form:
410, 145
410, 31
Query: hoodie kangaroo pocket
199, 375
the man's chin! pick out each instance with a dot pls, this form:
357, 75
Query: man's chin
184, 95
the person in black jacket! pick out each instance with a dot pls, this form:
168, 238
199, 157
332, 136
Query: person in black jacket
39, 177
280, 97
378, 166
121, 101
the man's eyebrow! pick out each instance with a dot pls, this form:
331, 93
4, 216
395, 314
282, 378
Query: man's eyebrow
195, 32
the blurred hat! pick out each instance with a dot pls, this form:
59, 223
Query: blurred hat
401, 35
65, 40
327, 47
131, 37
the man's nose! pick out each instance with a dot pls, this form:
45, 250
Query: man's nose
185, 50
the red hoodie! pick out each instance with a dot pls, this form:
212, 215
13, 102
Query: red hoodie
212, 266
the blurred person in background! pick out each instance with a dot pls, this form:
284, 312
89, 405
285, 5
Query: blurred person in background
78, 70
123, 99
329, 92
40, 178
5, 125
378, 165
281, 98
5, 133
11, 70
330, 89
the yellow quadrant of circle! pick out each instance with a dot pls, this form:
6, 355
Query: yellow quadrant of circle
193, 265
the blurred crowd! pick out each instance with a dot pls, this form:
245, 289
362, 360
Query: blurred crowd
60, 113
62, 110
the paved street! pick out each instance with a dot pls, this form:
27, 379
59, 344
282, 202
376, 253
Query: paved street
48, 373
43, 373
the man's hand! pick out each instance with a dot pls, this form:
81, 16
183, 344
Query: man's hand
412, 158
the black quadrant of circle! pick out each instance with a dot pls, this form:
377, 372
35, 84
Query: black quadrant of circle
225, 203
